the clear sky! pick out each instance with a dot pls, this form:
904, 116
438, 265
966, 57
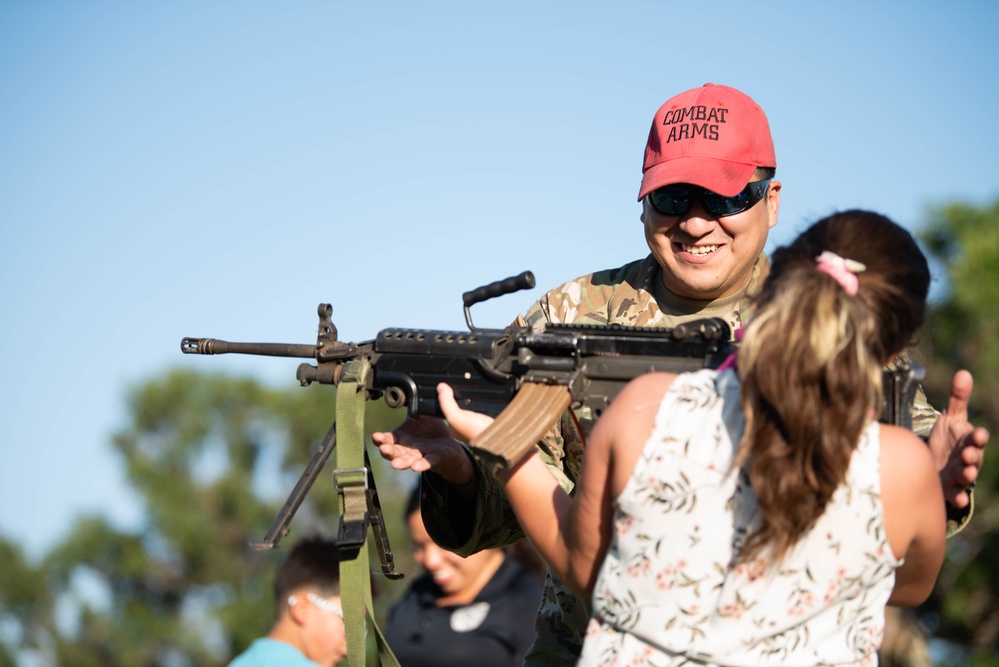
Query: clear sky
220, 168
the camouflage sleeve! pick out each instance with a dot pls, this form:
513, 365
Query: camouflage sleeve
924, 416
560, 626
468, 524
536, 316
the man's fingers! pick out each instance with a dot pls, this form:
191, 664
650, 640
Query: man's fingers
973, 452
965, 466
401, 457
960, 394
445, 397
424, 427
383, 438
465, 423
973, 447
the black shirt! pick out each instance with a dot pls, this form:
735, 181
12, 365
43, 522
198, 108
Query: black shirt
495, 630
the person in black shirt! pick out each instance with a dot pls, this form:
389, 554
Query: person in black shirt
463, 611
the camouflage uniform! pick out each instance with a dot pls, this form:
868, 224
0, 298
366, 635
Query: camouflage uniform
626, 296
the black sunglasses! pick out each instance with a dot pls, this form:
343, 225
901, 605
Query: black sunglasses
675, 199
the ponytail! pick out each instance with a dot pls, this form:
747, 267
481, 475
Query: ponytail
810, 363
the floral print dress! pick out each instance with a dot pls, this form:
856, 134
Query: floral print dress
670, 591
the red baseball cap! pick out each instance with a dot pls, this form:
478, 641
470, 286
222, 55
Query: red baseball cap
712, 136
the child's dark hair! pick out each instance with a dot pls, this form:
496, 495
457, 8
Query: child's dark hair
314, 562
810, 362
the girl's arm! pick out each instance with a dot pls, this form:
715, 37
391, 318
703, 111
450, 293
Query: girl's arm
572, 533
915, 521
535, 496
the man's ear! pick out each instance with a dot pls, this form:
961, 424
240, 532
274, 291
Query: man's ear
296, 610
773, 202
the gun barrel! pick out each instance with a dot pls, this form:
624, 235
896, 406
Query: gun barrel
215, 346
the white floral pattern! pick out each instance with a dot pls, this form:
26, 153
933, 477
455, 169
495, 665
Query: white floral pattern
670, 591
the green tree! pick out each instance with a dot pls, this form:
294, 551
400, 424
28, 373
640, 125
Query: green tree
26, 603
212, 458
961, 332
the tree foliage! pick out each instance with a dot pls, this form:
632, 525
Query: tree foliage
212, 458
25, 601
961, 332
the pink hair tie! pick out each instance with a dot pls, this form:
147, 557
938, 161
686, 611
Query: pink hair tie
843, 271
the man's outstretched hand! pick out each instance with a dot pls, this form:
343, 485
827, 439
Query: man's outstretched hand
427, 443
958, 447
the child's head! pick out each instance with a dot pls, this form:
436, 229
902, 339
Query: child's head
307, 601
841, 300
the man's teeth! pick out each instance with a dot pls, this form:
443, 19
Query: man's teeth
699, 249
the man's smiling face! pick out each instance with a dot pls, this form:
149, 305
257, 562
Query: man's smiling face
705, 256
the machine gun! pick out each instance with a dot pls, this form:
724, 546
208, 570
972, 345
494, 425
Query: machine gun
523, 377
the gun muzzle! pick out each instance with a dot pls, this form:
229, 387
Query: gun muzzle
215, 346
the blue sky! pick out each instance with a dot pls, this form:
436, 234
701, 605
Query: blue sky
219, 169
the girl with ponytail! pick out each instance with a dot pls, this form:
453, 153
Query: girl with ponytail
757, 514
810, 362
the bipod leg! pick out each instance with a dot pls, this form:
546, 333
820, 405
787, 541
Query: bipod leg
279, 528
378, 527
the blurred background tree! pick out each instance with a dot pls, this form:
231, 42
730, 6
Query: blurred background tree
962, 331
214, 457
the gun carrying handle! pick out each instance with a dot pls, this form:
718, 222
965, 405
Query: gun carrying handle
524, 280
516, 430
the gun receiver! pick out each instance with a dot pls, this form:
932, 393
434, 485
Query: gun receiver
523, 377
